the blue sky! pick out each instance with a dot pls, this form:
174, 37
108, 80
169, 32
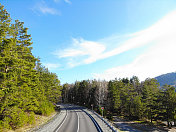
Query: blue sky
102, 39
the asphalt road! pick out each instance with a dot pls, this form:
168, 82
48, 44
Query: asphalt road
76, 121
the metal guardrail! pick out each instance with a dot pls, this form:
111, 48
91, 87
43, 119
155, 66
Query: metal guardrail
105, 122
94, 121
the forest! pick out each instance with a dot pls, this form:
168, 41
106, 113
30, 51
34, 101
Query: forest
129, 98
26, 87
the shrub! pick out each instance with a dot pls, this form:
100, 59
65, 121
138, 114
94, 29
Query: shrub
6, 123
15, 117
31, 118
46, 108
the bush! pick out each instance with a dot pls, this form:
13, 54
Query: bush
46, 108
6, 123
31, 118
15, 117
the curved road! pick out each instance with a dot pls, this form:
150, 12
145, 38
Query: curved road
76, 121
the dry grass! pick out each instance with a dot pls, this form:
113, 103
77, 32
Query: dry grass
40, 120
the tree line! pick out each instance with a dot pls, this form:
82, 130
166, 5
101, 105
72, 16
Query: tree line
26, 87
125, 97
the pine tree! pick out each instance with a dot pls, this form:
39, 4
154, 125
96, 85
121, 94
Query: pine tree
26, 87
169, 102
150, 91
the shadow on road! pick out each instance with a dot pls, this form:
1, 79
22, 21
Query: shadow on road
136, 127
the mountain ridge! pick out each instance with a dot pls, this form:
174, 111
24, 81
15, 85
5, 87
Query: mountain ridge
168, 78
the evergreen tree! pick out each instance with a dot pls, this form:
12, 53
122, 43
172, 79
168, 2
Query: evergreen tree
150, 90
26, 87
169, 101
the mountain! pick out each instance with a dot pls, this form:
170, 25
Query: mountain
169, 78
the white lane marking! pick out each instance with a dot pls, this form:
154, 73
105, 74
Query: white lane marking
78, 121
63, 121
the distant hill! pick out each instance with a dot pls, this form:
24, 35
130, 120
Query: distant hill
169, 78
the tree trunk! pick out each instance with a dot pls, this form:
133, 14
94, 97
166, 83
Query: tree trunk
167, 123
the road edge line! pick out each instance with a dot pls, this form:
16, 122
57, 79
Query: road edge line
78, 122
94, 121
62, 122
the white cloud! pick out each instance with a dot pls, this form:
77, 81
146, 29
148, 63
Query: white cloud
68, 1
43, 8
159, 59
51, 66
56, 1
81, 48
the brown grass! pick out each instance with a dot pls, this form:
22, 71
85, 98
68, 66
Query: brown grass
40, 120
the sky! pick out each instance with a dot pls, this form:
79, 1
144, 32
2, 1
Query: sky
100, 39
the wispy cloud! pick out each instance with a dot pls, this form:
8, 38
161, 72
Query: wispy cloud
68, 1
159, 59
56, 1
43, 8
156, 61
85, 52
51, 66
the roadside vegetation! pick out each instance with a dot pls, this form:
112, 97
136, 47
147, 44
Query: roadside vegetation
26, 87
126, 98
